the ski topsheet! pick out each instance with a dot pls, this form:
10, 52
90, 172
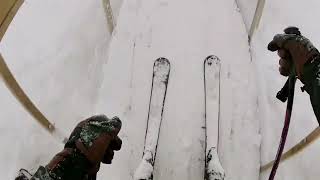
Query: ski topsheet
161, 71
213, 168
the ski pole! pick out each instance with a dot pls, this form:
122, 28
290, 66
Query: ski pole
286, 93
289, 86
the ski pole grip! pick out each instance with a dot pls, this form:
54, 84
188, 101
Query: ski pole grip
283, 94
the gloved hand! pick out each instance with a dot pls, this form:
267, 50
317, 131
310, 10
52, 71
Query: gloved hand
293, 49
91, 142
115, 145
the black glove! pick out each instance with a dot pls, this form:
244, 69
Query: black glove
91, 142
293, 49
115, 145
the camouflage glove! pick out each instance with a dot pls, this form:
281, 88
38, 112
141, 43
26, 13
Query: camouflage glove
293, 49
91, 142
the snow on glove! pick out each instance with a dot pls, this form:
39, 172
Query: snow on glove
96, 135
91, 142
293, 49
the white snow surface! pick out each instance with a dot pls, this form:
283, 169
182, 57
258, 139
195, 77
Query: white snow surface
71, 67
247, 9
147, 30
56, 50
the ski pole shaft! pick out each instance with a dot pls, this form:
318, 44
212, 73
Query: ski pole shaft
291, 86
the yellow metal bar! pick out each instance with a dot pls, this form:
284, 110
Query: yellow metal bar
109, 14
257, 17
8, 9
305, 142
21, 96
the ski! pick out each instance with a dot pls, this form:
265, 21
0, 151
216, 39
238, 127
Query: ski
213, 168
161, 71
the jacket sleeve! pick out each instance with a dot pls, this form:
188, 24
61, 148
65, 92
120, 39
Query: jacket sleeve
315, 98
311, 79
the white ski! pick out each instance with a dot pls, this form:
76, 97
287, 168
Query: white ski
161, 71
213, 168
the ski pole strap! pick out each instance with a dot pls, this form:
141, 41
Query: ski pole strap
291, 85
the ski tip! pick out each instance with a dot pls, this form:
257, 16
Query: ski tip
212, 59
161, 60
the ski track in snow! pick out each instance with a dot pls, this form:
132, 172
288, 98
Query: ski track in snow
185, 39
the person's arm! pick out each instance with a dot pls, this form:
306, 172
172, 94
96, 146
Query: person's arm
92, 142
312, 84
296, 50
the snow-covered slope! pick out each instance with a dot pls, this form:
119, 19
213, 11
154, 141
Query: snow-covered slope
247, 9
55, 50
61, 54
185, 34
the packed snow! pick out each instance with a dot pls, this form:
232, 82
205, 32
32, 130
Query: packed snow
66, 60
